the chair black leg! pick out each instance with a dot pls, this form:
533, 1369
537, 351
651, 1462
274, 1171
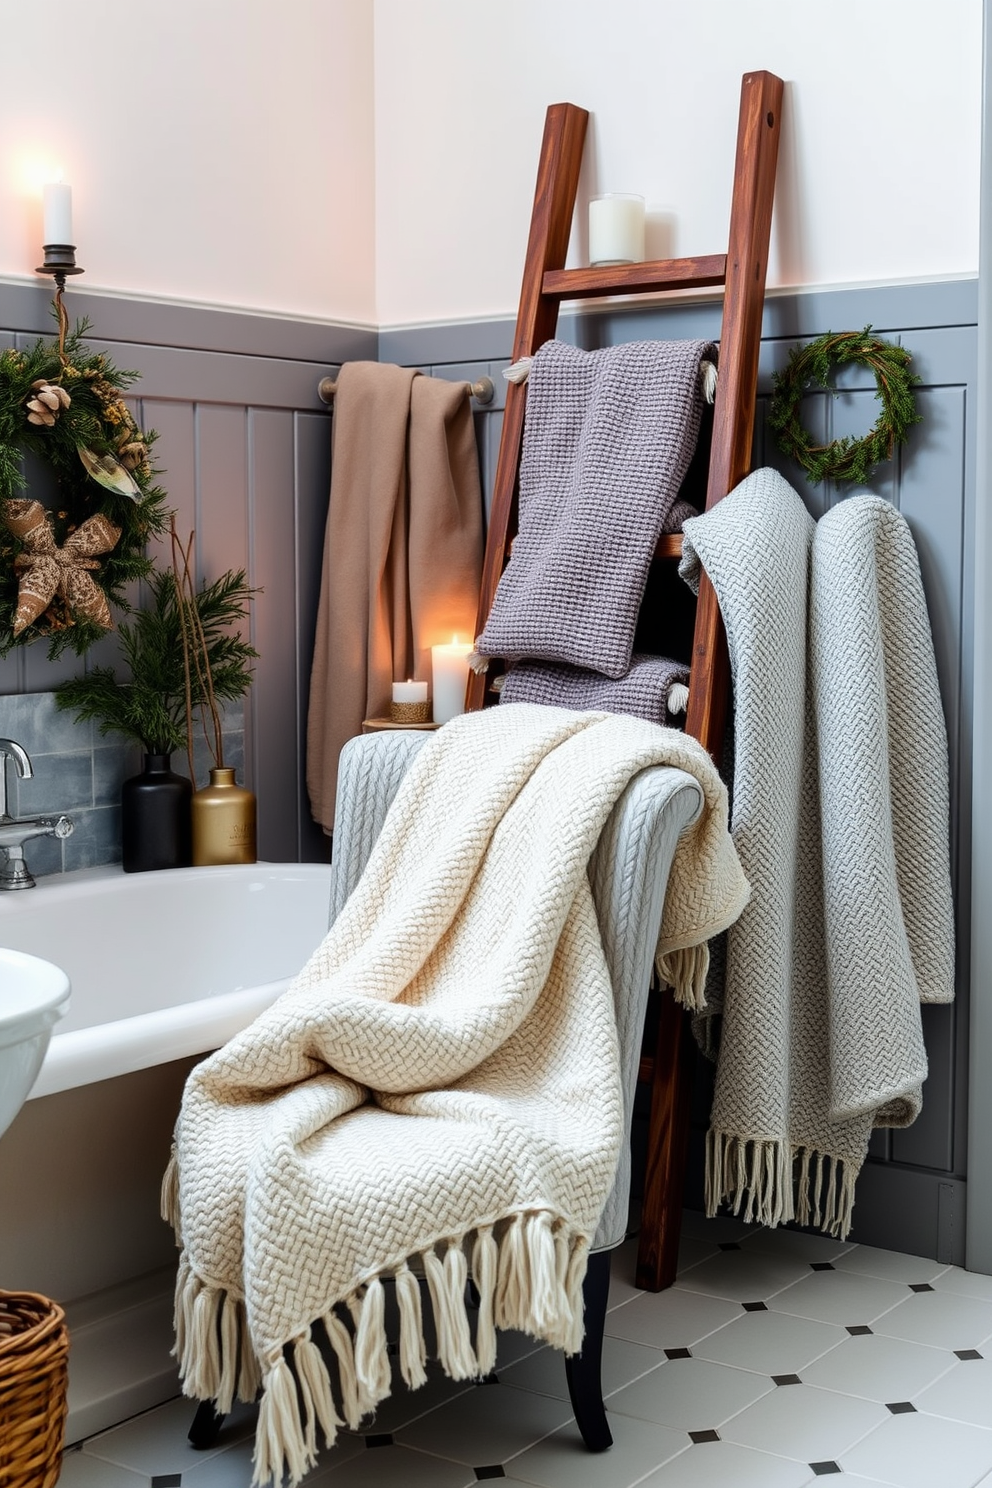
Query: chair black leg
583, 1371
206, 1427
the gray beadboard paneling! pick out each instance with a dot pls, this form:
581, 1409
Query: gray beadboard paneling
274, 723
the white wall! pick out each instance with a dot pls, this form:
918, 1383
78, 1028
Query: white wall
373, 161
879, 175
219, 151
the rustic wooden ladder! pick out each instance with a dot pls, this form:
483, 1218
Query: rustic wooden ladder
546, 282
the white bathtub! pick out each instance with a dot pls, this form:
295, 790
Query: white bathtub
163, 965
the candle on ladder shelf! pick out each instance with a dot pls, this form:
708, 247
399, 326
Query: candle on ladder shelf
450, 668
616, 229
409, 704
57, 202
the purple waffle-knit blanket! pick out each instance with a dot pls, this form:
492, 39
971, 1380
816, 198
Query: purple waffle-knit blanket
643, 691
607, 441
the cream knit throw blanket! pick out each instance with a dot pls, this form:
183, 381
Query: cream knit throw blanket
438, 1086
840, 817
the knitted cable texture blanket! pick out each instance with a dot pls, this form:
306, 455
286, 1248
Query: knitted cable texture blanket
607, 442
439, 1085
643, 691
840, 817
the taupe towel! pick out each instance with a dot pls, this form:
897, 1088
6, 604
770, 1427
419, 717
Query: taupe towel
642, 692
402, 552
607, 442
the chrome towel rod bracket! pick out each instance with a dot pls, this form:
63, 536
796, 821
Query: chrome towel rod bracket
483, 391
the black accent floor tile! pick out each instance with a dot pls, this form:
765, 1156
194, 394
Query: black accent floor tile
859, 1330
496, 1471
755, 1306
379, 1439
728, 1245
823, 1468
786, 1379
698, 1437
900, 1407
822, 1266
920, 1286
968, 1354
492, 1378
678, 1353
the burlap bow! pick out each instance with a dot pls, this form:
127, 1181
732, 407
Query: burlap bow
47, 571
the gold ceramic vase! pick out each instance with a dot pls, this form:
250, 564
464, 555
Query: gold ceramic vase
223, 822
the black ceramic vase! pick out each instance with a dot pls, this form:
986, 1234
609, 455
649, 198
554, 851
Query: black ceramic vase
156, 830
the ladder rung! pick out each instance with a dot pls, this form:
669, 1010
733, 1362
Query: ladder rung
669, 545
638, 278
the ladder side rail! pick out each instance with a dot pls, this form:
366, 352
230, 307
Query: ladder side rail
709, 682
537, 319
740, 341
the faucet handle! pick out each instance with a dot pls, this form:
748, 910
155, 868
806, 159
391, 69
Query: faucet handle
61, 826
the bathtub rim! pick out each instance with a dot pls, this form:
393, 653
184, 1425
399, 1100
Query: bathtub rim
105, 1050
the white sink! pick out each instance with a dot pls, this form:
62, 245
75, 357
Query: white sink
34, 995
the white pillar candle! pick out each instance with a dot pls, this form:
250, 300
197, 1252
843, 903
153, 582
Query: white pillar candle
409, 692
616, 229
450, 668
57, 200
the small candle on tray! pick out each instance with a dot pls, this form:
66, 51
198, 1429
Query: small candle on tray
409, 704
450, 667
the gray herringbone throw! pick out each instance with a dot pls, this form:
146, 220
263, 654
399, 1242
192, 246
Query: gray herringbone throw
840, 817
607, 442
643, 691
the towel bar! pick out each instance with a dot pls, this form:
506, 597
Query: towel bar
483, 391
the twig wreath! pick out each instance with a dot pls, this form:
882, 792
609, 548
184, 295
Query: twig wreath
845, 459
62, 567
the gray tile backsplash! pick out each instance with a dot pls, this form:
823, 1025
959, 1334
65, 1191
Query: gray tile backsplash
79, 771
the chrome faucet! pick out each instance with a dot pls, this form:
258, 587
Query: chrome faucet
14, 872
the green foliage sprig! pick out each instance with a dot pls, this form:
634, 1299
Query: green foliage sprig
97, 421
150, 704
810, 366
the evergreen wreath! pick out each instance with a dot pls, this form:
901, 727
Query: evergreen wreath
845, 459
61, 568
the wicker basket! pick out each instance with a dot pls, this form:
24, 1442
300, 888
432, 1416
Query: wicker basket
34, 1353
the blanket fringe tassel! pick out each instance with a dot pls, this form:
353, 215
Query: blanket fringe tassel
773, 1183
527, 1272
685, 971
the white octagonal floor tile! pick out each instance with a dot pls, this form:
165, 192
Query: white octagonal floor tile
879, 1368
920, 1451
744, 1275
671, 1319
561, 1460
690, 1394
724, 1464
770, 1342
940, 1318
804, 1423
964, 1393
489, 1424
888, 1265
544, 1371
798, 1243
79, 1470
839, 1297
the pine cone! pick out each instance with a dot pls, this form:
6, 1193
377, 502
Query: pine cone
48, 401
132, 454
